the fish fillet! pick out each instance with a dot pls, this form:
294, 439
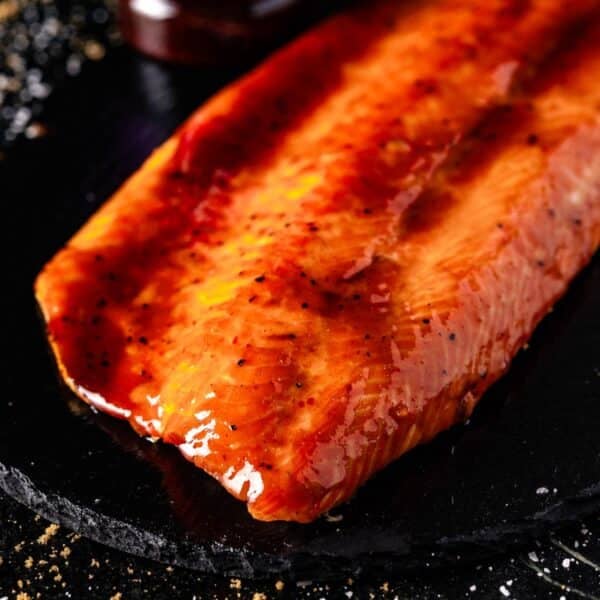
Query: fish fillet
336, 256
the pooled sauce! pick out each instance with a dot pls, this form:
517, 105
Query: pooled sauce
335, 257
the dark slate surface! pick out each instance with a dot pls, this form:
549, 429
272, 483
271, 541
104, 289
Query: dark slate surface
56, 563
529, 459
476, 491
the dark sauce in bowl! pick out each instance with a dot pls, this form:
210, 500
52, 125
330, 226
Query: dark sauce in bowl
215, 32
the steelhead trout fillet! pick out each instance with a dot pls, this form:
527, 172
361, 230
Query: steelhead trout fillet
335, 257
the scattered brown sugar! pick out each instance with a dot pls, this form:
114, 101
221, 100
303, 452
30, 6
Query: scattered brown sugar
94, 563
28, 562
94, 50
48, 533
259, 596
35, 130
19, 546
23, 596
8, 9
65, 552
279, 585
116, 596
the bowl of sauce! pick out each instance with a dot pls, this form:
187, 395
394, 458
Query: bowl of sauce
214, 32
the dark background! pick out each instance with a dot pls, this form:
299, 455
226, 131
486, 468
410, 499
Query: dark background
96, 112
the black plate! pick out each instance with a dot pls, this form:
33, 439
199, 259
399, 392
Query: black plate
529, 457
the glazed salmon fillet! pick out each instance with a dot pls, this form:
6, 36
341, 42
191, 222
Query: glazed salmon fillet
336, 256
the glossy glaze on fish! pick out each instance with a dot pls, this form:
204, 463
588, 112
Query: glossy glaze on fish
336, 256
